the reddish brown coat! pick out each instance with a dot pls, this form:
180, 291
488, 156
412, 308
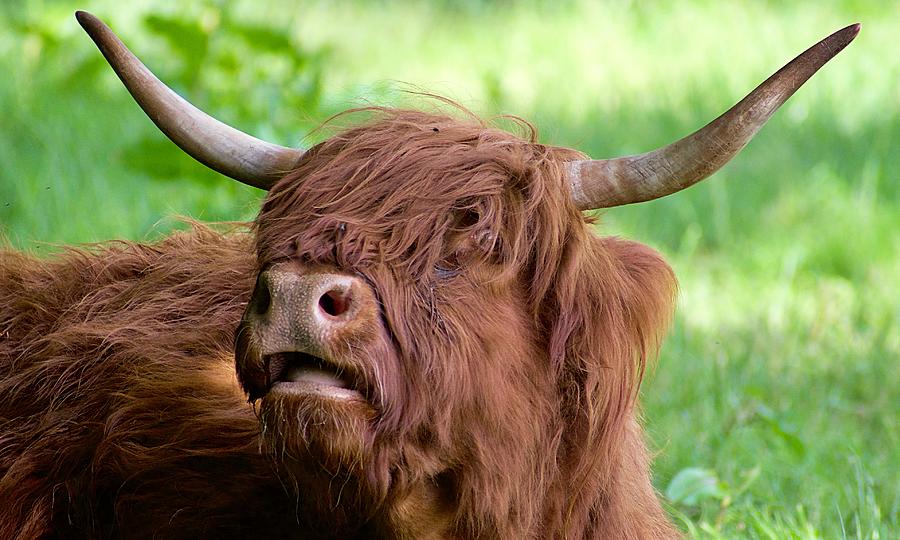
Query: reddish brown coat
507, 401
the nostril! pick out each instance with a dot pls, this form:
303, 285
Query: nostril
335, 302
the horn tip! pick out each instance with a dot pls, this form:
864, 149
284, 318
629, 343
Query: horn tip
845, 35
83, 17
89, 22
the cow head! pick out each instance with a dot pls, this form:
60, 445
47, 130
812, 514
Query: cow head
399, 330
435, 335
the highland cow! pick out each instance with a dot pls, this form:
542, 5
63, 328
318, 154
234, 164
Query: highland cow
418, 337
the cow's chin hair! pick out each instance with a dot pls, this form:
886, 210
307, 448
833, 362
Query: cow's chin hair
303, 430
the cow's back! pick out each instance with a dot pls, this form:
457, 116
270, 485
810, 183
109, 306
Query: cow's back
120, 414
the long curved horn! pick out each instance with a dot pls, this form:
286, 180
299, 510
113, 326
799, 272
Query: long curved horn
218, 146
614, 182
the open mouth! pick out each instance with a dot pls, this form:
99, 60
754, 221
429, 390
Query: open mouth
304, 373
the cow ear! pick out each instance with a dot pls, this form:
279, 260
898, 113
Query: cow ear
642, 285
611, 313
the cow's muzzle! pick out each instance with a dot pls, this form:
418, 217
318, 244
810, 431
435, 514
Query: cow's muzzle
300, 330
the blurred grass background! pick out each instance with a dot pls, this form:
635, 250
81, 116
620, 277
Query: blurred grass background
775, 405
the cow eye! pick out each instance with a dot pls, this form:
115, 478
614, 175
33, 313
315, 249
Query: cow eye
474, 248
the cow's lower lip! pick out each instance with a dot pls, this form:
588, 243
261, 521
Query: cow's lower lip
316, 388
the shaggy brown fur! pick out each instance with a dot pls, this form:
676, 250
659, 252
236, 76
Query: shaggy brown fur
504, 368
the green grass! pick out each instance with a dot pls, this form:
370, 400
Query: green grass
774, 407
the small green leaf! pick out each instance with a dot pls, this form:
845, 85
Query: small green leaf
693, 485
